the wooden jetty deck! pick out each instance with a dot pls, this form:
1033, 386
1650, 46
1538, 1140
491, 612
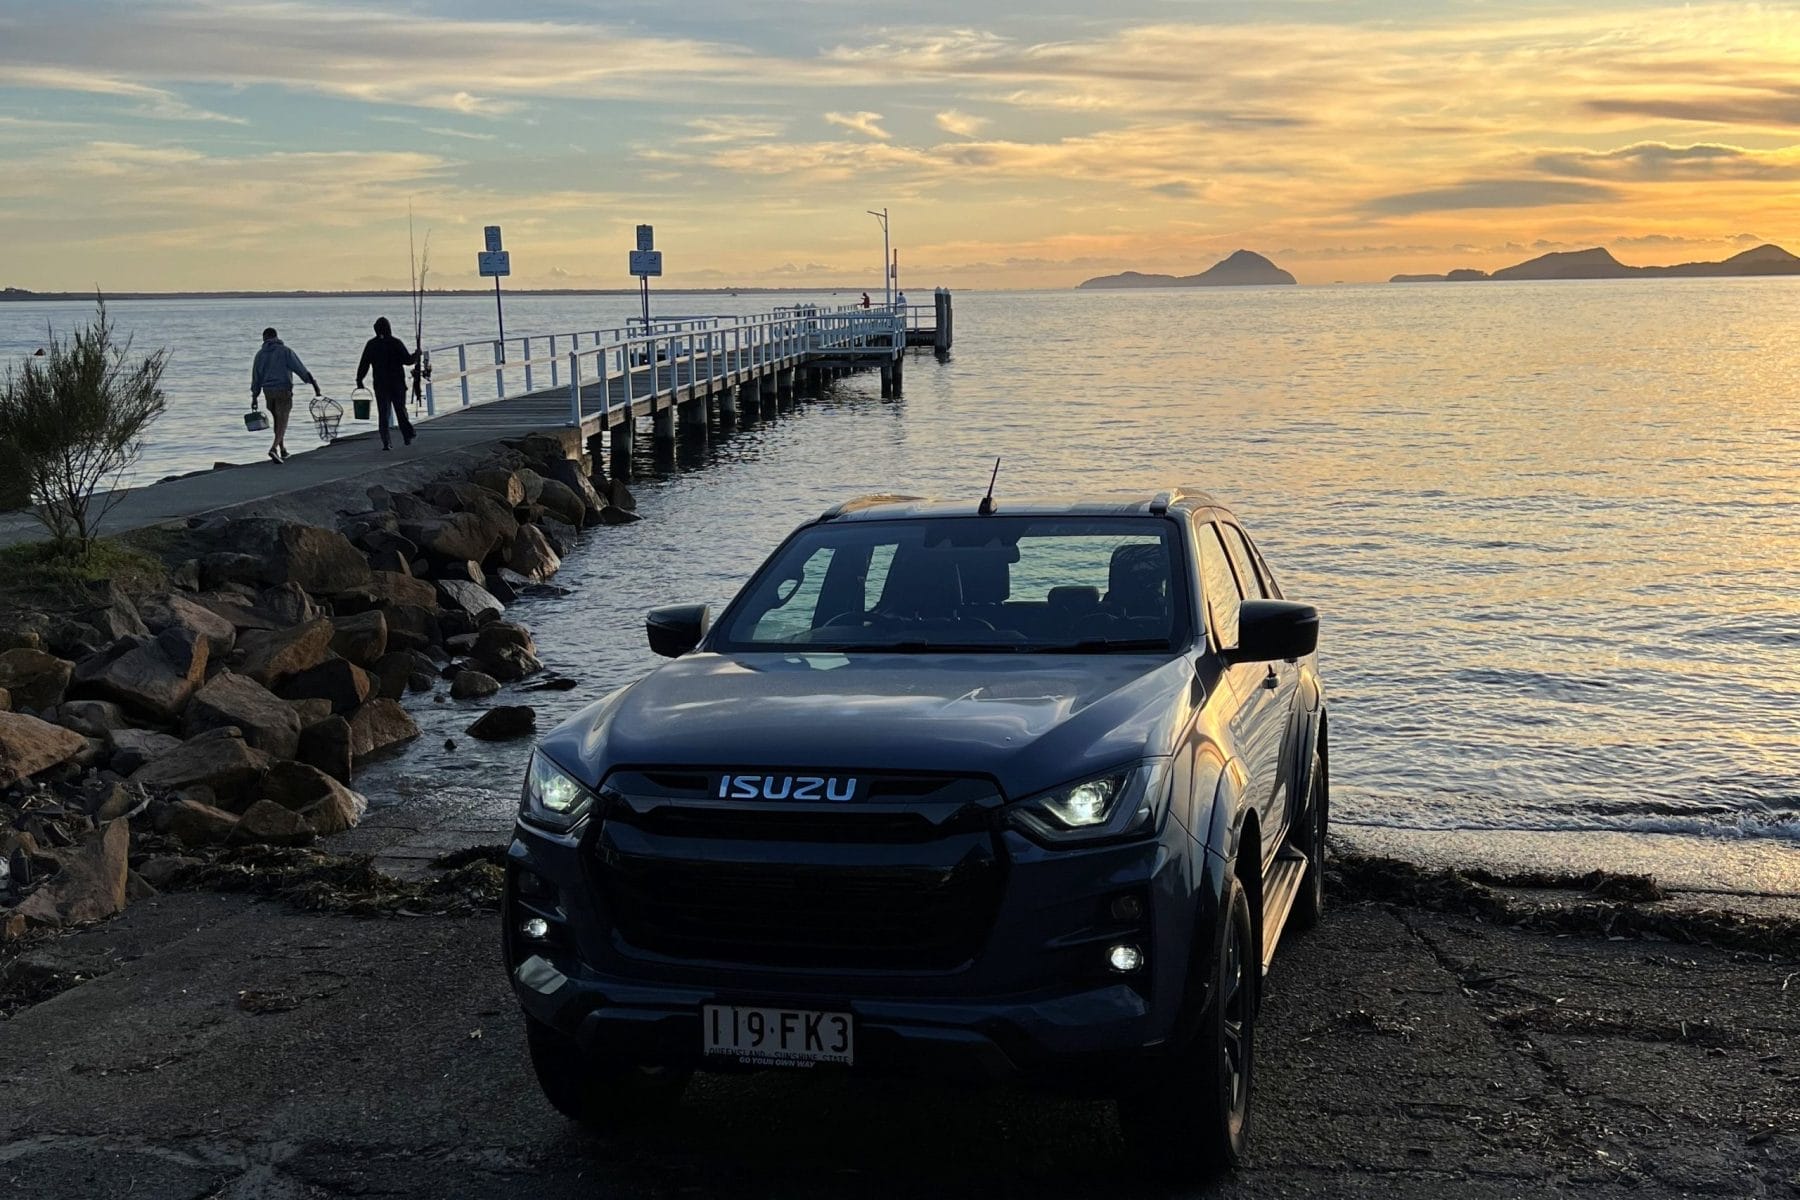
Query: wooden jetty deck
593, 388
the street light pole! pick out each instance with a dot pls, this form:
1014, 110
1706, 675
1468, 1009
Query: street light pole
887, 280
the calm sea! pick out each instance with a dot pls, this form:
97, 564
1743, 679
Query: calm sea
1554, 529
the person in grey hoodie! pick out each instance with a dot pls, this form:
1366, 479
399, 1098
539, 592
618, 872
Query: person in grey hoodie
272, 376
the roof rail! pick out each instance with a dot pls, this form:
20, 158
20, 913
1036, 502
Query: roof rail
869, 501
1159, 504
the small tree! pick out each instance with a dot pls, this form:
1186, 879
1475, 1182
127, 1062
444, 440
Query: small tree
75, 419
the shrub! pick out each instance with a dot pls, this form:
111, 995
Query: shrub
75, 420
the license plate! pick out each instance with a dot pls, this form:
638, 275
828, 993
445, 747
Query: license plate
777, 1036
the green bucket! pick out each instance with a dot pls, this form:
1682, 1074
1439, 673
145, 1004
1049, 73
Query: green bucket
359, 403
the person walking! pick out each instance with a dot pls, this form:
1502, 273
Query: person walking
387, 357
272, 377
865, 300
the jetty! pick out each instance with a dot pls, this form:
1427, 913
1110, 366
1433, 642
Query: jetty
594, 389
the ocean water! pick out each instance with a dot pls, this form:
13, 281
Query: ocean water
1553, 529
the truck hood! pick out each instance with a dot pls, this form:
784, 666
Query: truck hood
1028, 722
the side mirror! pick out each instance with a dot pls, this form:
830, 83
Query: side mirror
1273, 629
676, 628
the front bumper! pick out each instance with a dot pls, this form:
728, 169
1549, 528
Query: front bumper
1035, 1003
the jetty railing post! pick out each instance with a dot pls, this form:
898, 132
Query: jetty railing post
430, 399
499, 371
462, 367
574, 388
553, 360
528, 386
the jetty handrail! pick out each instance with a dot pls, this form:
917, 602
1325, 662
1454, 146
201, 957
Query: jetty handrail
668, 354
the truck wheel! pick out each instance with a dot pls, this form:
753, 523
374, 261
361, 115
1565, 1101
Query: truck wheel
599, 1095
1191, 1120
1309, 905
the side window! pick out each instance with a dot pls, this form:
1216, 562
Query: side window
795, 602
1239, 549
1222, 595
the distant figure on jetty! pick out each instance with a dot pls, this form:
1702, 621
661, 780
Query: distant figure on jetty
272, 375
900, 300
865, 299
388, 357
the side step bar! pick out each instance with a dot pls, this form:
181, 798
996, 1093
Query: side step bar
1280, 889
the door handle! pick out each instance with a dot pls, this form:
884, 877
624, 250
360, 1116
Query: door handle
1270, 680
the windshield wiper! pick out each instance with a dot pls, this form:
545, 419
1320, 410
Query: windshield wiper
1099, 646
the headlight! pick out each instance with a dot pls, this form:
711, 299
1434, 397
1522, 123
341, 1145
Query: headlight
551, 796
1118, 804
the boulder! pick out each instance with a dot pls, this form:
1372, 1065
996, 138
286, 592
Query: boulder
193, 823
532, 482
413, 626
504, 723
107, 799
272, 824
219, 759
504, 483
390, 560
229, 566
617, 516
325, 746
236, 610
454, 536
288, 604
115, 616
175, 611
568, 472
326, 804
473, 685
392, 671
388, 541
379, 724
28, 745
166, 869
462, 570
495, 636
500, 588
90, 718
35, 679
362, 638
186, 575
133, 748
317, 560
532, 556
5, 700
268, 723
75, 640
392, 590
408, 507
344, 684
91, 884
156, 678
272, 655
617, 494
311, 710
470, 598
420, 681
509, 664
561, 502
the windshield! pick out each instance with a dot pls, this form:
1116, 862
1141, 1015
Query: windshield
1047, 584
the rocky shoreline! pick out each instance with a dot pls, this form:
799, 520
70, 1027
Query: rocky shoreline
149, 738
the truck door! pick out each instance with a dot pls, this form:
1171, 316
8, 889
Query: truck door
1285, 673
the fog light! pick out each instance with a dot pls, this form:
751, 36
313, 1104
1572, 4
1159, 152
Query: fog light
536, 928
1127, 908
1124, 959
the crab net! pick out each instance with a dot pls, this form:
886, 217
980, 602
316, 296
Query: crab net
326, 413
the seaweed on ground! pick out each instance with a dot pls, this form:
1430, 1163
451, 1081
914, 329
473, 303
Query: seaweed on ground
320, 882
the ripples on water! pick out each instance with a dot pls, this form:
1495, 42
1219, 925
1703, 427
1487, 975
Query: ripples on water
1552, 528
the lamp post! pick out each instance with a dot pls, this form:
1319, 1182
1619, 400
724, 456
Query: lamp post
887, 280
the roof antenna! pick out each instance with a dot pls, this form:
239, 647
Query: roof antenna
987, 502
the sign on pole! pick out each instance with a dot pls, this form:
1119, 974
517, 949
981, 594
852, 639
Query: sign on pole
495, 262
493, 238
645, 263
646, 238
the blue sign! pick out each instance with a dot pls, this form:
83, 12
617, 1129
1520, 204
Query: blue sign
495, 262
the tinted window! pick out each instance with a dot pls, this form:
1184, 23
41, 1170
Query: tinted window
1222, 596
975, 583
1239, 549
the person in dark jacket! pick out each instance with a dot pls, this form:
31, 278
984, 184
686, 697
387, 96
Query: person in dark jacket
387, 357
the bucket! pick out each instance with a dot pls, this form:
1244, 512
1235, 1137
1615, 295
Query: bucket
256, 420
359, 403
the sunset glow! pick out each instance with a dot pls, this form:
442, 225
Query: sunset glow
235, 144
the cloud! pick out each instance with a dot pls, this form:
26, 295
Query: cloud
962, 124
719, 129
1780, 108
1492, 193
866, 123
465, 134
1660, 162
154, 103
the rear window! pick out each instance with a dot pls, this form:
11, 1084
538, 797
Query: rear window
1089, 585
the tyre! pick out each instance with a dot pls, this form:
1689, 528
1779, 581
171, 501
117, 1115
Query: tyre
599, 1095
1309, 905
1191, 1120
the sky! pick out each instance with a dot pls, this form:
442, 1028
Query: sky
244, 144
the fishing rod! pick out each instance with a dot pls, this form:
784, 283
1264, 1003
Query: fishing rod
421, 266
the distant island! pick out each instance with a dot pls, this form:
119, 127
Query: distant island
1598, 263
1243, 268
